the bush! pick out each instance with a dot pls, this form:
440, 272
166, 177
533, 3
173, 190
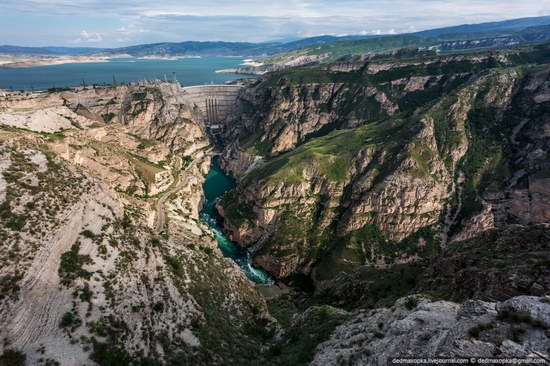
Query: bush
69, 320
70, 267
476, 330
13, 358
108, 117
411, 303
516, 332
158, 306
514, 315
109, 354
88, 234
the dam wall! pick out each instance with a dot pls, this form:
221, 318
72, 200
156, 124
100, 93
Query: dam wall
215, 102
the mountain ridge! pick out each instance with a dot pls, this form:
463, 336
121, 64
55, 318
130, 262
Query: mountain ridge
224, 48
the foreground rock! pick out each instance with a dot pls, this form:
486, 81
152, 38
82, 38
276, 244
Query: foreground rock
418, 327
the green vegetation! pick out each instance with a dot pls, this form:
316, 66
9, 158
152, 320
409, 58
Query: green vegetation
108, 117
139, 96
407, 46
9, 284
368, 245
297, 347
88, 234
13, 358
70, 267
476, 330
514, 315
110, 354
158, 307
186, 160
371, 287
70, 320
333, 154
57, 90
411, 303
338, 49
492, 258
55, 136
227, 335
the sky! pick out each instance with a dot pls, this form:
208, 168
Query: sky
112, 23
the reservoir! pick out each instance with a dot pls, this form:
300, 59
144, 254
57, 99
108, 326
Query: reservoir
215, 185
188, 71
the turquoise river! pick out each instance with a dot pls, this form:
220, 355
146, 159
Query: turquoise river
215, 185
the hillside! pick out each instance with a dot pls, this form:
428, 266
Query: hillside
400, 200
437, 40
85, 279
48, 51
384, 162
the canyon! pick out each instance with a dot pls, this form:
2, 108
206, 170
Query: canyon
400, 201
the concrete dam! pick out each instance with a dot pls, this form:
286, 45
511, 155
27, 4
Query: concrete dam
214, 102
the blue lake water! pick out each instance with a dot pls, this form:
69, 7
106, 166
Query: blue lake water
189, 71
215, 185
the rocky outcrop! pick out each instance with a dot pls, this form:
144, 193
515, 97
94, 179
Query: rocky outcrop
437, 158
84, 279
493, 266
417, 327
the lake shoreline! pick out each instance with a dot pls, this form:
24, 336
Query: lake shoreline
106, 71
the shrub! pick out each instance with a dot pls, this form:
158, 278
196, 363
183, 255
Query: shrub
69, 320
515, 333
411, 303
13, 358
109, 354
88, 234
158, 306
70, 267
515, 315
476, 330
108, 117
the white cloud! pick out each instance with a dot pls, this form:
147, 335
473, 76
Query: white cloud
147, 21
131, 29
88, 37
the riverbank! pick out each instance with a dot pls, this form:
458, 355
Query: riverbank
216, 184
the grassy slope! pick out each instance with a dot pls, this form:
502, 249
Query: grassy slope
336, 50
334, 154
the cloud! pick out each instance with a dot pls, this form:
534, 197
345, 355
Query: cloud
88, 37
145, 21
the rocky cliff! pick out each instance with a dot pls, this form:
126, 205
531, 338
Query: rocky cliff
85, 279
387, 162
418, 327
403, 197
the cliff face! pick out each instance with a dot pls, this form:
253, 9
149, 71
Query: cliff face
494, 266
484, 329
454, 148
84, 277
286, 108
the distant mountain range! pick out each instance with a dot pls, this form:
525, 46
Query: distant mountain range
46, 51
489, 29
520, 30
